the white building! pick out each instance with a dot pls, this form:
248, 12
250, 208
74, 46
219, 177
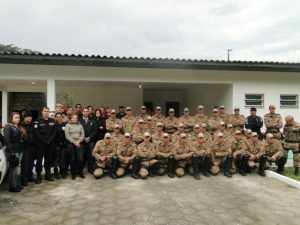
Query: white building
109, 81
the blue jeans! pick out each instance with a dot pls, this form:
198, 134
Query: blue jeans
12, 173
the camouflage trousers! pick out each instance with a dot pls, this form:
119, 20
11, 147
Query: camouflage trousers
296, 155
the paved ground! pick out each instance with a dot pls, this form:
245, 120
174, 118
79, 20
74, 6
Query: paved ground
159, 200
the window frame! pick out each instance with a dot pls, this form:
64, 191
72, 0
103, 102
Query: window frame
262, 99
296, 106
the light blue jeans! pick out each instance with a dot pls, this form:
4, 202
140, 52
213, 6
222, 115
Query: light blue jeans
12, 173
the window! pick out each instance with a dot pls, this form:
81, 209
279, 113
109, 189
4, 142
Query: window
254, 100
289, 101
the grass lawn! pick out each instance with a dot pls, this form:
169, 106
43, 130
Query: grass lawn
289, 172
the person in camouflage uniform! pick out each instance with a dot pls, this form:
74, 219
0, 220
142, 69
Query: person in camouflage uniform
291, 132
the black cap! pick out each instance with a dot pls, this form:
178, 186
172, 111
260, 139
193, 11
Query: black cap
27, 114
253, 109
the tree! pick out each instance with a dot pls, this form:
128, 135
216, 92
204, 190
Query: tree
13, 48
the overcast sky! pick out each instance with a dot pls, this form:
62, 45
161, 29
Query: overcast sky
259, 30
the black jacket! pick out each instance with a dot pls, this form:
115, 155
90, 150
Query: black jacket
90, 128
60, 134
101, 128
13, 139
30, 136
45, 130
254, 123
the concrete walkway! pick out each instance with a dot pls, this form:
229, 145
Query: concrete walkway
159, 200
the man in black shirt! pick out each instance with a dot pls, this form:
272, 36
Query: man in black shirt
121, 112
254, 122
45, 132
90, 131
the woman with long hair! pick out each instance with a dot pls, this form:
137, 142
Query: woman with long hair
14, 150
100, 119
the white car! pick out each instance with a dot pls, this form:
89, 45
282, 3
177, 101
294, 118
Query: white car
3, 163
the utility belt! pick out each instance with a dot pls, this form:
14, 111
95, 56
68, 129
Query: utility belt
273, 130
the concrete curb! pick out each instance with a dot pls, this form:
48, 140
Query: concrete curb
283, 179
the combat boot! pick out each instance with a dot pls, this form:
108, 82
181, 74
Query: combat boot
296, 171
136, 166
170, 166
38, 178
281, 162
261, 167
56, 174
154, 168
48, 175
227, 165
195, 165
244, 164
114, 167
207, 166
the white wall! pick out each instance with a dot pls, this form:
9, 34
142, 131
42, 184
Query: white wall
209, 95
105, 96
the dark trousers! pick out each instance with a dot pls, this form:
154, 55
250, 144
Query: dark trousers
27, 161
77, 158
65, 157
46, 151
87, 151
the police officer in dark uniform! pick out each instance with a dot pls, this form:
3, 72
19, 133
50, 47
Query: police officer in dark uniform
60, 148
254, 122
45, 132
29, 149
90, 131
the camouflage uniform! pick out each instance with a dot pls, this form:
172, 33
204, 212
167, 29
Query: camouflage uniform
273, 123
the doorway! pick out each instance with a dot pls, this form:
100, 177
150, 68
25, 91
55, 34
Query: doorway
175, 106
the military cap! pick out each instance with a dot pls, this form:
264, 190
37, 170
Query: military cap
254, 134
147, 134
200, 135
127, 134
182, 135
107, 135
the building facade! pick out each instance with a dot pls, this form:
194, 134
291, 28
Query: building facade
114, 81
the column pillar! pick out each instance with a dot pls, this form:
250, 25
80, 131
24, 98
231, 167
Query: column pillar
4, 107
51, 94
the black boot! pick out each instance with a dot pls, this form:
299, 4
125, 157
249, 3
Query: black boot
281, 162
48, 175
154, 168
296, 171
227, 165
195, 165
207, 166
38, 177
114, 167
136, 166
24, 181
243, 166
56, 174
170, 166
262, 164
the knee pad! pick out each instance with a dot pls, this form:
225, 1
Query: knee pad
215, 170
120, 171
179, 171
161, 171
143, 172
251, 164
98, 172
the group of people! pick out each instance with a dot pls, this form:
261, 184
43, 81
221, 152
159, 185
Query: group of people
145, 145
